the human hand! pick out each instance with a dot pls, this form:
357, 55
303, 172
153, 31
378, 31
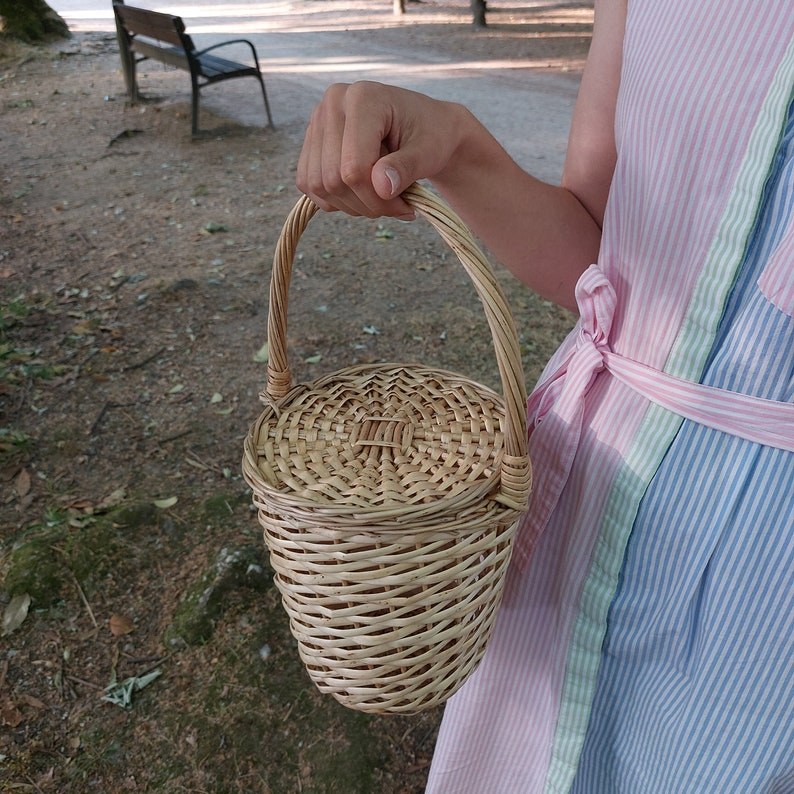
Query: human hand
366, 142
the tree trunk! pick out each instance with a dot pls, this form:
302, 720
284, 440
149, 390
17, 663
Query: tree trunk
478, 9
31, 21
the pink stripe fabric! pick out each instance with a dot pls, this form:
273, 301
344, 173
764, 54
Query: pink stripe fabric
556, 406
754, 419
684, 89
777, 280
663, 217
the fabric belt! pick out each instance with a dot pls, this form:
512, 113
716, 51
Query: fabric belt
556, 407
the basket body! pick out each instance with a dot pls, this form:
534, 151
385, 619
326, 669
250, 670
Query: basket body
388, 496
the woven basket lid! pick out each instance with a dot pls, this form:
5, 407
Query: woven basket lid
384, 444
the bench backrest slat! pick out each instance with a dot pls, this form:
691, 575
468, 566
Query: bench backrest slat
152, 24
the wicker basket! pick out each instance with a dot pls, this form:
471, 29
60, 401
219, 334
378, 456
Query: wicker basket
389, 496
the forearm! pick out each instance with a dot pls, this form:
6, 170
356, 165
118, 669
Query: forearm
540, 232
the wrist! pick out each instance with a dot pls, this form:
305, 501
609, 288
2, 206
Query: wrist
472, 150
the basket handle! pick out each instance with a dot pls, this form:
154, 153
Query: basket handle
516, 470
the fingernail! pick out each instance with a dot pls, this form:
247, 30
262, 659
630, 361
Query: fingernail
394, 180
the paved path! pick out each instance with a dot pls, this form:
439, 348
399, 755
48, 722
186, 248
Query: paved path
306, 47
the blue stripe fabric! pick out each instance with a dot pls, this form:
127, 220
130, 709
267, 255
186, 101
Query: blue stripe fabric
695, 691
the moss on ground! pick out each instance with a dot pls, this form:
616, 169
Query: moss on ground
232, 569
34, 566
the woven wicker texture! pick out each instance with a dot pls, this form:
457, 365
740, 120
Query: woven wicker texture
389, 496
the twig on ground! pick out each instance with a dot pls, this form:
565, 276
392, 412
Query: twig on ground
103, 410
85, 601
145, 361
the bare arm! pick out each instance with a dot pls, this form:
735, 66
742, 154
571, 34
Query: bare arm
366, 142
591, 155
548, 235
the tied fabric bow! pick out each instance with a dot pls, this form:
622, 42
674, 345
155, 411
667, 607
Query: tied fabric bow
555, 408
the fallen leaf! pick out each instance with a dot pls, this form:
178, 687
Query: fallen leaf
120, 625
262, 356
82, 505
15, 613
216, 398
33, 702
45, 781
314, 359
9, 714
23, 483
113, 499
120, 694
214, 228
176, 389
83, 328
165, 503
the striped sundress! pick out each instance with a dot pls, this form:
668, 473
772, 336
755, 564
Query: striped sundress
646, 638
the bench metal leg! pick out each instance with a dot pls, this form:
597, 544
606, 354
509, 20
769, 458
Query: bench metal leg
132, 80
195, 105
196, 89
267, 104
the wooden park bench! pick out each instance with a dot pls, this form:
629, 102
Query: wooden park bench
146, 34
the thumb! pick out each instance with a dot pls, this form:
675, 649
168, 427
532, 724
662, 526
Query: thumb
388, 178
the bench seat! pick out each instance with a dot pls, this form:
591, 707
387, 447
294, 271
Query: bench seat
144, 34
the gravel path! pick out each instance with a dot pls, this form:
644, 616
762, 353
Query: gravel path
306, 45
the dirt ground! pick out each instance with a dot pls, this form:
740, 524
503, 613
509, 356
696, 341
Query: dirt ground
134, 266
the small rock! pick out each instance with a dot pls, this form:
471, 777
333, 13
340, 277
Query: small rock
203, 603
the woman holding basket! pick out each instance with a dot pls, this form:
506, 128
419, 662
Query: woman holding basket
645, 642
